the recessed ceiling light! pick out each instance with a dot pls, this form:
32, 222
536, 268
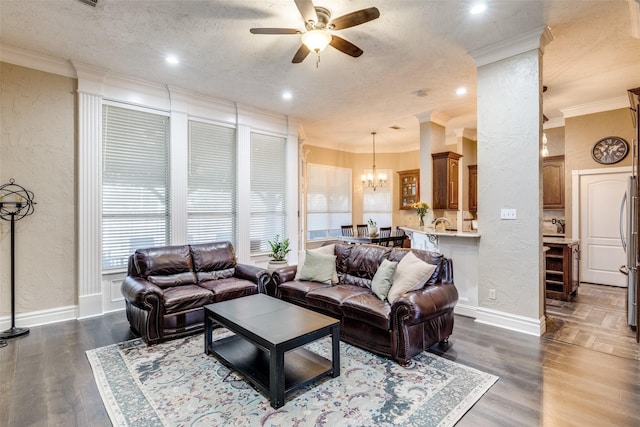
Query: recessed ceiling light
461, 91
287, 95
478, 8
173, 60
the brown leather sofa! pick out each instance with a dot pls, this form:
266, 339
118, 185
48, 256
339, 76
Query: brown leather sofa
166, 287
414, 322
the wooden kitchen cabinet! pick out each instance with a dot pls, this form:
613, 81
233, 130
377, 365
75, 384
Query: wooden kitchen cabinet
446, 176
553, 182
473, 188
562, 269
409, 188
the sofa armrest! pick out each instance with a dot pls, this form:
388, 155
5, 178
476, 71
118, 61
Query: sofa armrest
137, 291
255, 274
418, 306
284, 274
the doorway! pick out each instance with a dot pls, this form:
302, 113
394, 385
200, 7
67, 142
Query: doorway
598, 203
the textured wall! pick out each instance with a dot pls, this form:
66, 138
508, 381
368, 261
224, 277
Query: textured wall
509, 143
580, 134
37, 149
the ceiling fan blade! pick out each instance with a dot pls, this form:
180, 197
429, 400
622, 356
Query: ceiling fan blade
300, 54
345, 46
307, 10
274, 31
355, 18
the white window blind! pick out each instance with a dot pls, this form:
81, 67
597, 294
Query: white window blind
268, 191
135, 183
211, 199
328, 201
378, 205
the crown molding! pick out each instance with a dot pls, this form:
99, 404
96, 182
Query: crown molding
556, 122
433, 116
467, 133
37, 61
535, 39
596, 107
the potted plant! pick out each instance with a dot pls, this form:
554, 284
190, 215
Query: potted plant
373, 228
278, 255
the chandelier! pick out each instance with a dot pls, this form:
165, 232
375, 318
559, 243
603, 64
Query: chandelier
374, 179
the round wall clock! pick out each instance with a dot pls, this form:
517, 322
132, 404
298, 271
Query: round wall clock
610, 150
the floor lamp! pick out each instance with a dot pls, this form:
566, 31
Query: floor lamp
15, 203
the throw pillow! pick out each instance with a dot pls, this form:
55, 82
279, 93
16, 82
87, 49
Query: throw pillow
318, 267
383, 279
326, 250
411, 274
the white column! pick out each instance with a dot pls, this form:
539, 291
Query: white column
243, 180
432, 137
89, 204
509, 176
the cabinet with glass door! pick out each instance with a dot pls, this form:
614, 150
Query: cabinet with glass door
409, 188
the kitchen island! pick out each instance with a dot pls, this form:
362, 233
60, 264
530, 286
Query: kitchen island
462, 248
562, 273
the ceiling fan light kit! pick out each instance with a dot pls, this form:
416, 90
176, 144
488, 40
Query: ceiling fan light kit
318, 24
316, 40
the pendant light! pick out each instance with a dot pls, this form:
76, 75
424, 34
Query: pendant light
374, 179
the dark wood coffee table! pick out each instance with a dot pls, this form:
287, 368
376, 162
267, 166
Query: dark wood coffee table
266, 348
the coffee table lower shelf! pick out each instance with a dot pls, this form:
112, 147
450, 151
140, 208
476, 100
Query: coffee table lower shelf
301, 366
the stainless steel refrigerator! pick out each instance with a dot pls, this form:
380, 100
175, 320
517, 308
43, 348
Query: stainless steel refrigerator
633, 222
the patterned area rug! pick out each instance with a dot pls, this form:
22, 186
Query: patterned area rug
175, 383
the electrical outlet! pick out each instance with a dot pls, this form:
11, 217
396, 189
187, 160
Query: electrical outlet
492, 294
508, 214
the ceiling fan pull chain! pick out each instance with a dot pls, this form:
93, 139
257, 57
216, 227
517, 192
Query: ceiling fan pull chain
317, 60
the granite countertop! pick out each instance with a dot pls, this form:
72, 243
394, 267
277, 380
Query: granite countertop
560, 240
431, 231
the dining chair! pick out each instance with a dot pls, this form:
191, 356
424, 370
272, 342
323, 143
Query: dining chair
363, 230
398, 242
347, 230
385, 232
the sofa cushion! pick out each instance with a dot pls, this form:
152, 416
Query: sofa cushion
368, 308
412, 273
434, 258
327, 250
362, 264
318, 267
383, 279
211, 261
166, 266
328, 299
296, 290
187, 297
226, 289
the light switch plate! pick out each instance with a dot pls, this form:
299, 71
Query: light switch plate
508, 214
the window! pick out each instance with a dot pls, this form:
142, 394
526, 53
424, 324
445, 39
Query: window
268, 190
211, 199
328, 201
135, 183
377, 205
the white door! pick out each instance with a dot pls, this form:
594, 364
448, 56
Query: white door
601, 250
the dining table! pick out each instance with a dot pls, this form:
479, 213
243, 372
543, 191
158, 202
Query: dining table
395, 239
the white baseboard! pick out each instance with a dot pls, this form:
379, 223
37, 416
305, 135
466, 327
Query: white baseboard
89, 306
513, 322
465, 310
42, 317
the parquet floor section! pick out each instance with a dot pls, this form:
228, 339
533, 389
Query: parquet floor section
596, 319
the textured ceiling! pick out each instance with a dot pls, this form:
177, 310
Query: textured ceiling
415, 46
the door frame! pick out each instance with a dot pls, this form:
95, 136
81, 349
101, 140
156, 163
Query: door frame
575, 194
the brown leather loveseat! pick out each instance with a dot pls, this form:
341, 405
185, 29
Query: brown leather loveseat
166, 287
416, 319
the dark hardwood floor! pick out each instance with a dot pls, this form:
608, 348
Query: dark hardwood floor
46, 380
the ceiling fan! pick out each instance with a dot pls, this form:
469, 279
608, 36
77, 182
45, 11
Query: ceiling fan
318, 24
